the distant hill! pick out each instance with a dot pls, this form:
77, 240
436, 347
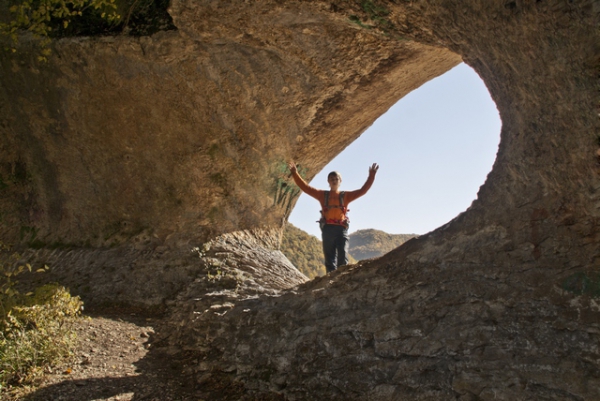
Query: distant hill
304, 251
370, 243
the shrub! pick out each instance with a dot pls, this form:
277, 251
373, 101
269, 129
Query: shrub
36, 329
48, 18
303, 250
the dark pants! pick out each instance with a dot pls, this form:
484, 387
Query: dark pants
335, 246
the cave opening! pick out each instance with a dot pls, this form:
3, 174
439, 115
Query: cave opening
435, 148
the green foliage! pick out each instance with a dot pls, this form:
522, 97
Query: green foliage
44, 17
303, 250
374, 10
376, 14
366, 244
357, 21
285, 189
35, 328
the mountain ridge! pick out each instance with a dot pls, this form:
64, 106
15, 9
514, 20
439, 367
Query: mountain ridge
372, 243
305, 250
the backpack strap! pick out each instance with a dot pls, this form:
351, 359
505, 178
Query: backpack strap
323, 221
341, 203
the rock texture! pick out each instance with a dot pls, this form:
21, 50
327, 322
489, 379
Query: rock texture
186, 134
239, 264
174, 139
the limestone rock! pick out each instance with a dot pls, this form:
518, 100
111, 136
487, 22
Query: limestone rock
181, 138
185, 134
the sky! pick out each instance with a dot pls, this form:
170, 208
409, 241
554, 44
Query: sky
435, 148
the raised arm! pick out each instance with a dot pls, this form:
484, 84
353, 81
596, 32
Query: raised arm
352, 195
315, 193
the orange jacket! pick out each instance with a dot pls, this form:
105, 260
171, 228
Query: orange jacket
333, 213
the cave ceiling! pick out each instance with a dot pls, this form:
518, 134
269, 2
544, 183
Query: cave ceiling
159, 143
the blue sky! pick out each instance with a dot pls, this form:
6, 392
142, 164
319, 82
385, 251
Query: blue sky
435, 148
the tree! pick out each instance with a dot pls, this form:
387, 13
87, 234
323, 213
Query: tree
45, 19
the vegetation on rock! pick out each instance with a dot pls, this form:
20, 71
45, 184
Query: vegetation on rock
36, 329
303, 250
46, 19
52, 18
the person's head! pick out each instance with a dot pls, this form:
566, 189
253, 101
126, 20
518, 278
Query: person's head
334, 179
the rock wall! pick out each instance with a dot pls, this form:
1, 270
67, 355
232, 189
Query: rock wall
174, 139
185, 135
242, 264
499, 304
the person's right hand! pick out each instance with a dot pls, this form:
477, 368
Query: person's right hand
292, 167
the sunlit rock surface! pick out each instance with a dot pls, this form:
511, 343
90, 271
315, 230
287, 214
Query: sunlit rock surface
186, 134
167, 142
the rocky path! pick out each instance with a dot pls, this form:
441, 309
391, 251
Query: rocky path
117, 358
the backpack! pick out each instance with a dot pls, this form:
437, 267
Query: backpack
322, 221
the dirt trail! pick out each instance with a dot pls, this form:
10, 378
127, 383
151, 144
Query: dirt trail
118, 357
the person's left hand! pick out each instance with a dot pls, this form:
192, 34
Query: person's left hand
373, 169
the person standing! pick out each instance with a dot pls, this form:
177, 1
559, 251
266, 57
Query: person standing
334, 213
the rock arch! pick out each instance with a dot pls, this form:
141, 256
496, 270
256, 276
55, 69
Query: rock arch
156, 144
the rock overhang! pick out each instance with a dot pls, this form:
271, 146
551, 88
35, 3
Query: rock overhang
195, 146
186, 133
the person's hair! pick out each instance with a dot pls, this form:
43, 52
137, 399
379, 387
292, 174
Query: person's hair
332, 174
